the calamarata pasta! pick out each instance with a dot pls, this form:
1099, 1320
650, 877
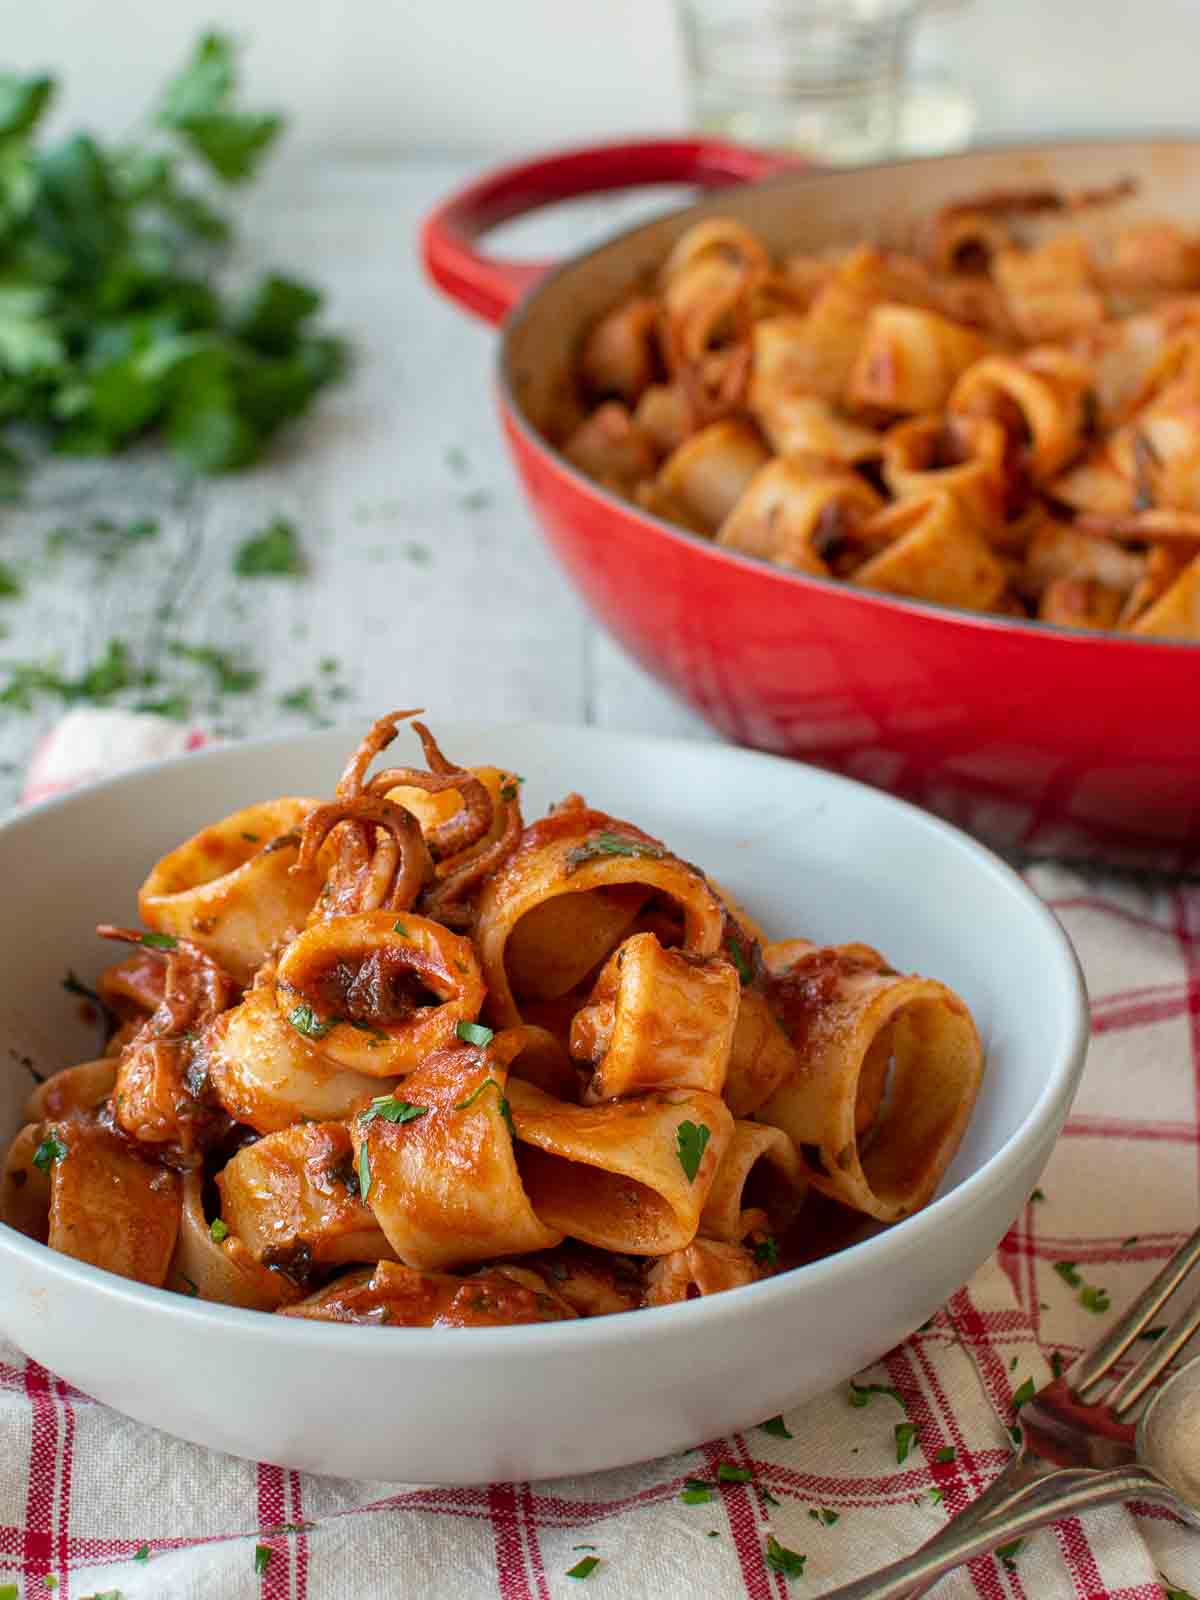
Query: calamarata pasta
1004, 417
399, 1057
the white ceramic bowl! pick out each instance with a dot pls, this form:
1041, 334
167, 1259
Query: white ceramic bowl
807, 853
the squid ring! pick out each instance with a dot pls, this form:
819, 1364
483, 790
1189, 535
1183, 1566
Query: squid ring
376, 992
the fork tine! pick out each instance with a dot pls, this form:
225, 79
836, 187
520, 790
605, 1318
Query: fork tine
1128, 1390
1099, 1360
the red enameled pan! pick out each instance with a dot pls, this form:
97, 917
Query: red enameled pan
1052, 740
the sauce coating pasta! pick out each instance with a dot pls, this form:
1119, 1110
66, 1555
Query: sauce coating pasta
1005, 418
400, 1058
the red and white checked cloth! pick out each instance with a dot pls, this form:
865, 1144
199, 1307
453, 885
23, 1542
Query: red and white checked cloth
84, 1489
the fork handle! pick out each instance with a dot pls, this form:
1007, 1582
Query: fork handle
1058, 1495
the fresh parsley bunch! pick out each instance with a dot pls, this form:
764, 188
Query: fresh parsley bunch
111, 323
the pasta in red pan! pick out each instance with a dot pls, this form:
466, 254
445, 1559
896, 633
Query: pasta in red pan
399, 1057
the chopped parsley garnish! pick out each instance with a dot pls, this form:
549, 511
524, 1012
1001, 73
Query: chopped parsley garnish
10, 584
584, 1567
142, 1553
824, 1516
1057, 1364
159, 941
398, 927
738, 957
1172, 1591
690, 1141
502, 1105
937, 1495
190, 1287
1024, 1394
946, 1453
392, 1110
508, 792
768, 1498
262, 1558
728, 1473
1152, 1333
696, 1492
111, 673
1008, 1553
306, 1021
860, 1393
475, 1033
780, 1559
1038, 1194
1093, 1299
777, 1427
1127, 1244
766, 1251
218, 1230
228, 678
364, 1170
611, 844
50, 1150
251, 838
273, 553
906, 1434
1069, 1273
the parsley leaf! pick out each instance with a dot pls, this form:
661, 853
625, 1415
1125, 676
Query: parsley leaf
392, 1110
1008, 1553
860, 1393
906, 1434
728, 1473
1173, 1591
218, 1230
738, 957
475, 1033
1057, 1364
1038, 1194
696, 1492
766, 1251
1093, 1299
306, 1021
777, 1427
1069, 1273
824, 1516
584, 1567
611, 844
946, 1453
503, 1106
159, 941
273, 553
262, 1558
142, 1553
781, 1559
227, 677
50, 1150
398, 927
1023, 1395
690, 1141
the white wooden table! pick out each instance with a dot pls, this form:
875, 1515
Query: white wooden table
428, 580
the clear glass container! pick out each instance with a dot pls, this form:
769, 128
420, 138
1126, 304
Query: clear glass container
828, 78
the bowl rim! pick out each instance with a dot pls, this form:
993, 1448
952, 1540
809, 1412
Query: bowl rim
911, 1236
527, 308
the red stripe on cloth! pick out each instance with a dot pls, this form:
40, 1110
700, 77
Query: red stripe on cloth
66, 1468
1143, 1013
741, 1513
1084, 1127
301, 1544
982, 1571
1110, 908
529, 1531
277, 1579
1187, 918
511, 1574
1078, 1554
38, 1547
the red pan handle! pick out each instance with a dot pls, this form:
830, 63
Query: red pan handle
490, 286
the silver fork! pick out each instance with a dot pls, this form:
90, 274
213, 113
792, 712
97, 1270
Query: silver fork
1077, 1448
